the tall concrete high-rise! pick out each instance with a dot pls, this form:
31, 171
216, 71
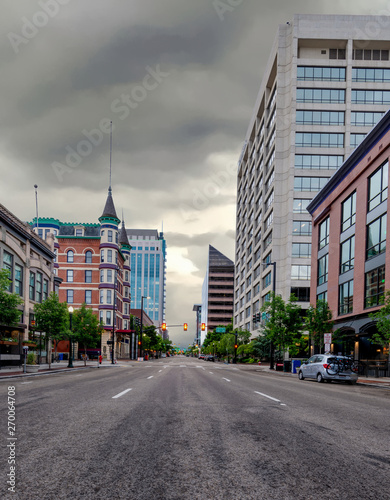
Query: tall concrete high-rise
326, 84
217, 291
148, 272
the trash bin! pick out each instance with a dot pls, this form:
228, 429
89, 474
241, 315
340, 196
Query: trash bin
287, 365
296, 363
61, 356
279, 366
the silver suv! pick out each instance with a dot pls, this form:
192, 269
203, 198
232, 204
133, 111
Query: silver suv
329, 367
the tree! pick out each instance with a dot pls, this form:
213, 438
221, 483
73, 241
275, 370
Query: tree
87, 329
318, 321
382, 318
52, 318
9, 302
284, 325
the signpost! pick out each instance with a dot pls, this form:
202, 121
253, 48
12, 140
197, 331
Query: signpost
220, 329
327, 341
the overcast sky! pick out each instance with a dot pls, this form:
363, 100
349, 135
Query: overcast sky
179, 80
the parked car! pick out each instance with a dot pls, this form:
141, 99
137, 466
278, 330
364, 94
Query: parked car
328, 367
209, 357
201, 356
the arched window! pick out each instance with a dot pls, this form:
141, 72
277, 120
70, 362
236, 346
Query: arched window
70, 256
88, 257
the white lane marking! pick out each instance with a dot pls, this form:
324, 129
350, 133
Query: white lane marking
211, 373
269, 397
26, 383
159, 371
235, 368
226, 379
183, 366
151, 376
121, 394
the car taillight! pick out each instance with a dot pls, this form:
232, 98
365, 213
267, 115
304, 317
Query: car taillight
326, 366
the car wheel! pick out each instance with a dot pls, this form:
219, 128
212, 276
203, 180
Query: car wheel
300, 376
320, 378
352, 382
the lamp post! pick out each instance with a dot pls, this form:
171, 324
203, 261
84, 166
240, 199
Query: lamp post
271, 358
142, 311
70, 364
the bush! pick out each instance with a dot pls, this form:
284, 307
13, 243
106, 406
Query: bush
31, 358
250, 361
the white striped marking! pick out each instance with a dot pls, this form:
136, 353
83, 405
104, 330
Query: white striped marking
151, 376
159, 371
269, 397
26, 383
211, 373
121, 394
226, 379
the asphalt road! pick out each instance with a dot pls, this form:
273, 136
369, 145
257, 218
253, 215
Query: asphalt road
183, 428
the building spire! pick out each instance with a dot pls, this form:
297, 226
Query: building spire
109, 187
109, 209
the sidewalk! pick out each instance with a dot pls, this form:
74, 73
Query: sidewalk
62, 366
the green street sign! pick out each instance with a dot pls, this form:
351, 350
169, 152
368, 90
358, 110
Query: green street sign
220, 329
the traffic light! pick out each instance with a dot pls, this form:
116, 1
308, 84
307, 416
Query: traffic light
235, 346
258, 317
254, 318
139, 342
203, 327
164, 327
185, 327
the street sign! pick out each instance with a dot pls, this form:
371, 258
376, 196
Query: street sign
327, 347
327, 338
110, 342
220, 329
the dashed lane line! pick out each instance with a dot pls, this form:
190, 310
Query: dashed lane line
151, 376
269, 397
121, 394
226, 379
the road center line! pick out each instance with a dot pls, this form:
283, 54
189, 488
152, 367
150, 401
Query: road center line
121, 394
226, 379
269, 397
151, 376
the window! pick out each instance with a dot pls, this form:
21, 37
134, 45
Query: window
370, 74
8, 264
45, 289
109, 297
108, 318
267, 280
319, 140
323, 234
320, 117
318, 162
376, 237
370, 96
19, 280
301, 250
101, 255
337, 53
88, 257
347, 255
69, 296
374, 286
101, 297
323, 270
269, 200
365, 118
321, 95
309, 183
69, 256
377, 186
101, 275
348, 212
323, 296
302, 294
367, 55
32, 286
300, 272
301, 228
38, 287
356, 139
109, 275
346, 297
79, 232
69, 276
267, 260
300, 205
320, 73
109, 255
88, 296
88, 276
268, 221
268, 240
109, 233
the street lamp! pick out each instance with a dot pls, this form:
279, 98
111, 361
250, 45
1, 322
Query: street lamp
70, 364
271, 358
142, 311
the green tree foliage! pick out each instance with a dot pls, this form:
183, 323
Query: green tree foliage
9, 302
318, 321
284, 324
87, 329
52, 318
261, 346
382, 318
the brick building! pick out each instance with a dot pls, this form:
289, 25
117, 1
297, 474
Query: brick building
349, 241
